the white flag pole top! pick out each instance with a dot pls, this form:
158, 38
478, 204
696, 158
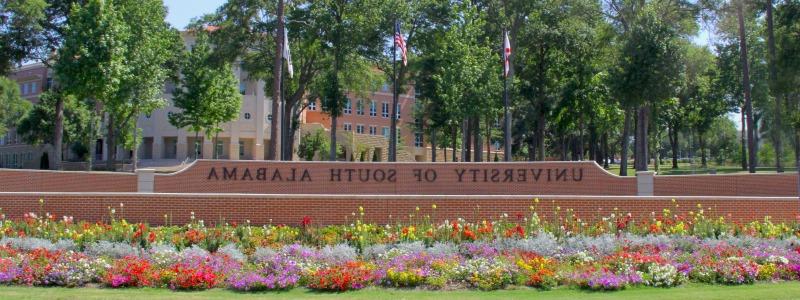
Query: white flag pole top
287, 54
506, 53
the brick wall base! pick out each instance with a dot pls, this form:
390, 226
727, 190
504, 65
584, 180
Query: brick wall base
340, 209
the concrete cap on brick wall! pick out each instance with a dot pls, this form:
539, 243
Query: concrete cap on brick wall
145, 179
645, 181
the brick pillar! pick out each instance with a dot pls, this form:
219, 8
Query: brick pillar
145, 180
645, 183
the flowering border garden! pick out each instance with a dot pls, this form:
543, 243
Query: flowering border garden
607, 253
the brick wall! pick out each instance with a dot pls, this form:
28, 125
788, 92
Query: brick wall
554, 178
727, 185
51, 181
338, 209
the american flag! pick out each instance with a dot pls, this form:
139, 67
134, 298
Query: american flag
400, 42
506, 54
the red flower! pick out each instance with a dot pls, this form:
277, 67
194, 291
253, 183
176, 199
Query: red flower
306, 221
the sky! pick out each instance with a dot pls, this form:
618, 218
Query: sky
182, 11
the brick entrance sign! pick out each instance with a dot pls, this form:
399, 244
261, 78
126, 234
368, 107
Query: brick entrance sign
522, 178
561, 178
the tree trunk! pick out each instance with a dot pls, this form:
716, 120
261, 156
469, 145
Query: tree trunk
743, 140
532, 148
672, 132
703, 159
605, 150
92, 138
289, 132
476, 129
466, 141
641, 150
135, 152
488, 140
433, 144
58, 134
112, 144
194, 147
623, 161
773, 78
277, 72
454, 129
540, 155
751, 145
333, 138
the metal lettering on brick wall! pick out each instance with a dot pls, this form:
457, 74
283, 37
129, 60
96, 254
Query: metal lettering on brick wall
381, 175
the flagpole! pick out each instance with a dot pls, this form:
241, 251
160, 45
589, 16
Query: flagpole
507, 122
507, 150
393, 131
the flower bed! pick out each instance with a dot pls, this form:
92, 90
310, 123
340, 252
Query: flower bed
610, 253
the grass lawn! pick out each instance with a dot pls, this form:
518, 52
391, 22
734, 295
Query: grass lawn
784, 290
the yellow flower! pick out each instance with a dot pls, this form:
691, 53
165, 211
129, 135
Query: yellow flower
536, 200
417, 208
361, 208
433, 206
699, 205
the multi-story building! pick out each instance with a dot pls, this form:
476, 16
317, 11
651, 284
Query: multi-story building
364, 125
244, 138
33, 79
365, 121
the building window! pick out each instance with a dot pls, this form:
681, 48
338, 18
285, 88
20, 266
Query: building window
247, 116
49, 83
241, 149
312, 105
385, 110
360, 107
385, 87
418, 139
386, 132
360, 129
373, 130
398, 111
373, 109
220, 149
347, 127
242, 87
33, 87
24, 89
417, 92
348, 107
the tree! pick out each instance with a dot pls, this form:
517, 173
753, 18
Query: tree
276, 131
646, 74
20, 28
706, 102
352, 34
207, 93
312, 145
151, 48
12, 106
38, 125
748, 103
787, 63
91, 62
